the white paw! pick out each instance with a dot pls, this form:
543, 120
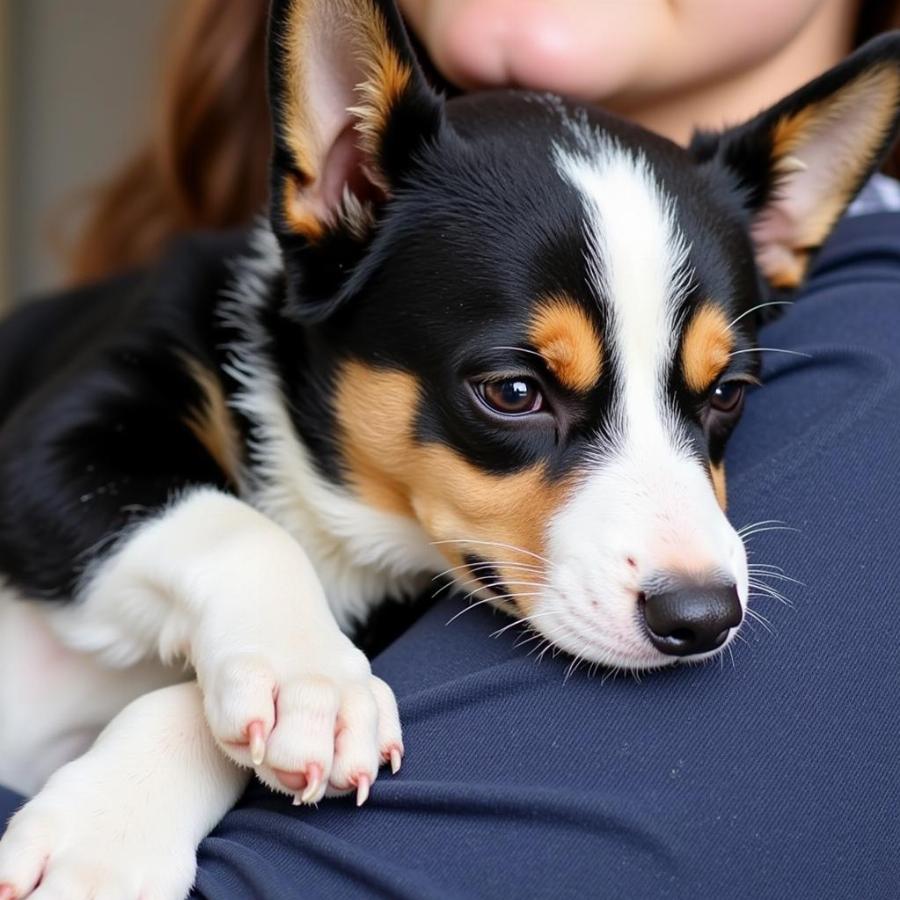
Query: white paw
311, 722
68, 844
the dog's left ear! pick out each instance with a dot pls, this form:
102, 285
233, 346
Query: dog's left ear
801, 162
350, 107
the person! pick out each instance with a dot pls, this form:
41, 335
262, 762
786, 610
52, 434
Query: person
767, 774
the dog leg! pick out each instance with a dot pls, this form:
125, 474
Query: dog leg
54, 701
284, 690
124, 820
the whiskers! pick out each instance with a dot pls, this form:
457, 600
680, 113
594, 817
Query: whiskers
746, 313
480, 570
493, 598
480, 543
519, 582
528, 580
753, 528
761, 576
770, 350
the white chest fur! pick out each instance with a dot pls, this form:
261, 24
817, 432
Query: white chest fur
360, 554
53, 700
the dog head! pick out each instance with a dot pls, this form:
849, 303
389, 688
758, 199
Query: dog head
534, 322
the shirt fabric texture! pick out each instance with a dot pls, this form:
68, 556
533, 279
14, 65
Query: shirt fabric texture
772, 773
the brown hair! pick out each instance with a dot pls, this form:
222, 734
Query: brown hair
205, 164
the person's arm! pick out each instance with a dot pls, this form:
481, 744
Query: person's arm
772, 774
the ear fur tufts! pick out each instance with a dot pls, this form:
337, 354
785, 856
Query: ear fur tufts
800, 163
350, 106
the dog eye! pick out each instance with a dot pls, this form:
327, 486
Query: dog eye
727, 396
511, 396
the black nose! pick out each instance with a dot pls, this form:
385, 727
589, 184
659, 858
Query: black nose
691, 619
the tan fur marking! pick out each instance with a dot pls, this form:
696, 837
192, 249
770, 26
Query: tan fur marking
387, 78
375, 410
718, 480
211, 422
298, 216
567, 339
296, 126
384, 78
791, 272
451, 498
707, 343
791, 132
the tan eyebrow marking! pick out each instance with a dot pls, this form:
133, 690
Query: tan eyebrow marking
567, 339
708, 341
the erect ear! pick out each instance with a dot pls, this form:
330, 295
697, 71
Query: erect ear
350, 109
801, 162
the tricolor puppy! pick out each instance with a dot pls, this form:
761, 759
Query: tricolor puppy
502, 335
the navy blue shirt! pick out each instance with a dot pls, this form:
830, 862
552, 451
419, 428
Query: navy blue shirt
772, 773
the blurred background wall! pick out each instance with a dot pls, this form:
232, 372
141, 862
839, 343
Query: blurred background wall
5, 89
76, 77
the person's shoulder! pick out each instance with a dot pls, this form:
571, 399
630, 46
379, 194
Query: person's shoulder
865, 244
880, 194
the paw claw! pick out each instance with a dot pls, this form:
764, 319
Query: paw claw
362, 789
310, 726
315, 778
256, 734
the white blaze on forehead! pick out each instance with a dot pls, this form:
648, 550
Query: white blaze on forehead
645, 508
637, 260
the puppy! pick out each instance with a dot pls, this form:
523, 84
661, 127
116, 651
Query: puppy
502, 336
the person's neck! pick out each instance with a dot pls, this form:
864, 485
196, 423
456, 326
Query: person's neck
823, 42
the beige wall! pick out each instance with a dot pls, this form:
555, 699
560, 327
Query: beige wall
5, 88
82, 74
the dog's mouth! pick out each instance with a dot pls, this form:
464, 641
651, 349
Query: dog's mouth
667, 621
486, 576
625, 642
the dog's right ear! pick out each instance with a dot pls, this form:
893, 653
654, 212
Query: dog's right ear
350, 107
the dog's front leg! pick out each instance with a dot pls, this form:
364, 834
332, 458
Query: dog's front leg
124, 820
284, 690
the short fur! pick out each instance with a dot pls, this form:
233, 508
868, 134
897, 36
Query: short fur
227, 462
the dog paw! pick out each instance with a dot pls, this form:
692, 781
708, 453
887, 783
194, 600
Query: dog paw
310, 724
65, 844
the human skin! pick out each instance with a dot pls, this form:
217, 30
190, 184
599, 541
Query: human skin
671, 65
